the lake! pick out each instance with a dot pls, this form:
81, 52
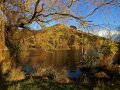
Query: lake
57, 60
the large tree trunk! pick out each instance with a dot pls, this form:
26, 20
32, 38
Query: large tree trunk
2, 46
3, 49
2, 37
2, 40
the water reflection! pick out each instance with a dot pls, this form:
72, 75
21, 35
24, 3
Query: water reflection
74, 74
57, 60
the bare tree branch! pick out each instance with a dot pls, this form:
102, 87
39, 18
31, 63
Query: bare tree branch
71, 3
35, 11
98, 8
62, 14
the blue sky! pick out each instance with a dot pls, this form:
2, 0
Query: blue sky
107, 15
112, 17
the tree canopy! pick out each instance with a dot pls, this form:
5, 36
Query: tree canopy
23, 12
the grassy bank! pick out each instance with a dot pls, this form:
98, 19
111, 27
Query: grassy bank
38, 83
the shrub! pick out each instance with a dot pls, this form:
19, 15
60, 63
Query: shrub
16, 74
5, 67
109, 50
90, 58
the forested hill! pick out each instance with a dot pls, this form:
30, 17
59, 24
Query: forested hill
57, 37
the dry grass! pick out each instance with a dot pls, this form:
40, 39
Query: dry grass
16, 74
101, 75
50, 73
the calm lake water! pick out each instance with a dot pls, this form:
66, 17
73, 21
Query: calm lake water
56, 59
